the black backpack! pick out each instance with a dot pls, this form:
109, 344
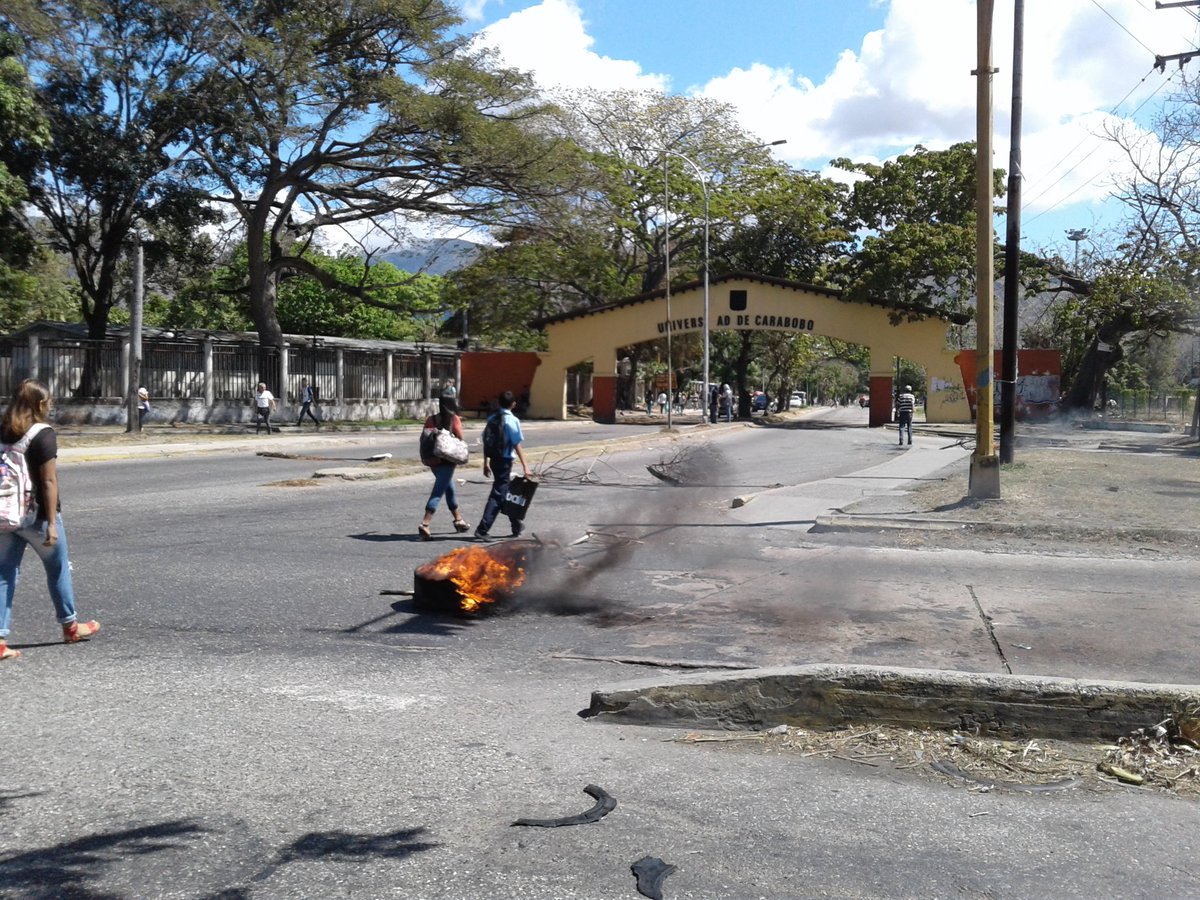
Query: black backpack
493, 436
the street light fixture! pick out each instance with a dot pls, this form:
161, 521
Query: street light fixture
1077, 235
704, 185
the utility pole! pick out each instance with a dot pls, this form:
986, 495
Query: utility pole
985, 466
133, 422
1012, 251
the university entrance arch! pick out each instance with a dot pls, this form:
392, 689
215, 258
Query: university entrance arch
739, 302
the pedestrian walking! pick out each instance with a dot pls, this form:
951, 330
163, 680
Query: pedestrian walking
906, 405
143, 405
727, 403
443, 471
662, 402
264, 405
450, 390
714, 402
502, 440
308, 399
31, 449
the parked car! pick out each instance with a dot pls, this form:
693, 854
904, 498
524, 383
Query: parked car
758, 403
799, 398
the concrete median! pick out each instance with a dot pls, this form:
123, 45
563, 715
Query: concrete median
1004, 706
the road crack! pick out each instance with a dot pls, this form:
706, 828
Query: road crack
987, 624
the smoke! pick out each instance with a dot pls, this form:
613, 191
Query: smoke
650, 529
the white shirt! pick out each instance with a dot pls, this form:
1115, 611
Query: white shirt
264, 399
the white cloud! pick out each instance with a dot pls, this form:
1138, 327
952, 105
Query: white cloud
910, 83
550, 40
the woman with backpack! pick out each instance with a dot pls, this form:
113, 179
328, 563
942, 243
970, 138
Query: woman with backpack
30, 443
443, 471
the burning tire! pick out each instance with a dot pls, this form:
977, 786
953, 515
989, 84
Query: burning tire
474, 580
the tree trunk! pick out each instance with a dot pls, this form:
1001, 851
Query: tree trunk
745, 349
1090, 377
262, 310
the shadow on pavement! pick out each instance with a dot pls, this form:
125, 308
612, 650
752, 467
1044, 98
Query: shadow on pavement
64, 870
337, 845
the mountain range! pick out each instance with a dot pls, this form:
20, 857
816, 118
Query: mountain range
433, 256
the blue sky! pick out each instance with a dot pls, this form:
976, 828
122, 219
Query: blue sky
869, 79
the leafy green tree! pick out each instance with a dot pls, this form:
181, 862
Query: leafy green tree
366, 111
23, 130
306, 307
914, 218
791, 227
112, 78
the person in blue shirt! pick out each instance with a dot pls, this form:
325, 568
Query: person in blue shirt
498, 463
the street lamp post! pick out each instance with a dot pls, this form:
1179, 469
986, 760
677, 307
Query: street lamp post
1077, 235
704, 186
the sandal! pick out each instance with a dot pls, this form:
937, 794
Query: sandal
79, 631
7, 652
423, 531
460, 525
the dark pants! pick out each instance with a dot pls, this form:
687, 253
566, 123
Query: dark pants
306, 408
262, 415
904, 417
501, 476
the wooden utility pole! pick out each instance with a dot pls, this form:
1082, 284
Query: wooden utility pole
985, 465
1012, 251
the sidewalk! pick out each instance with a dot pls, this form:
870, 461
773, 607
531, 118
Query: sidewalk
1065, 484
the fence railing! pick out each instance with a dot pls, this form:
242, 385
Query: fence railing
1148, 406
82, 369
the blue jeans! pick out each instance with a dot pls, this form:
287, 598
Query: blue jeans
905, 424
501, 476
443, 483
54, 560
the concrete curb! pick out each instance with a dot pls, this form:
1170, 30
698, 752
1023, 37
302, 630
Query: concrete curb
1006, 706
845, 522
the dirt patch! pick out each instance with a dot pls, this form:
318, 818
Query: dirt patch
1131, 498
1151, 759
294, 482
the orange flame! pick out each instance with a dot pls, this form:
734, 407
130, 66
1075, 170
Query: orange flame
479, 576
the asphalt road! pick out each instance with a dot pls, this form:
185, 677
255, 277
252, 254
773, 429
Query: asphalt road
261, 718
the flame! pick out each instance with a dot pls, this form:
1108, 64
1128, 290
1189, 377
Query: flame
479, 576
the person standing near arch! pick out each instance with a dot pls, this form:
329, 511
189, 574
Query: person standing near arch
906, 405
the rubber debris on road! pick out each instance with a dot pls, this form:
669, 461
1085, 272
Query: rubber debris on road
605, 803
650, 872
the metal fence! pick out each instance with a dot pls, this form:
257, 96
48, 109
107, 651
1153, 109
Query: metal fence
235, 371
316, 366
173, 370
80, 368
178, 370
1148, 406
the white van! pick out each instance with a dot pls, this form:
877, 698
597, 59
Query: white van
799, 398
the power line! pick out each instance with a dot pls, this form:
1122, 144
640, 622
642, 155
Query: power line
1085, 159
1096, 3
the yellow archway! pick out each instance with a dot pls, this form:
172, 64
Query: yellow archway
738, 302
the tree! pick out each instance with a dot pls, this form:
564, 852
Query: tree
603, 237
364, 114
1146, 285
791, 227
23, 130
915, 221
110, 75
